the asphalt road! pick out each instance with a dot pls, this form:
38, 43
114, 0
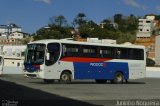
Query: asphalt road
29, 91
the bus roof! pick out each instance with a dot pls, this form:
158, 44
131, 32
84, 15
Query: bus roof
46, 41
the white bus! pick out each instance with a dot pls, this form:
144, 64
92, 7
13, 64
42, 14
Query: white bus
66, 60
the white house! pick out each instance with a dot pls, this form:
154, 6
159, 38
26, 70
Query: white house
6, 30
16, 35
145, 26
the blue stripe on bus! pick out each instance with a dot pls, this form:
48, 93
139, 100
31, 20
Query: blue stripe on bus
99, 70
31, 68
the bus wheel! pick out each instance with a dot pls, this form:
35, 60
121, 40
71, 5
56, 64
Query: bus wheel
126, 81
118, 78
100, 81
65, 78
48, 81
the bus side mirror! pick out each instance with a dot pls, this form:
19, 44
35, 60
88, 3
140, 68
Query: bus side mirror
100, 51
47, 58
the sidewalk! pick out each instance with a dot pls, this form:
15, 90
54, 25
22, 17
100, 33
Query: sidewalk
153, 72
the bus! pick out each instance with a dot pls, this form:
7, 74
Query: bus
66, 60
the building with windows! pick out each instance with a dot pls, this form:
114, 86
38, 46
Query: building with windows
12, 35
146, 26
145, 34
7, 30
17, 35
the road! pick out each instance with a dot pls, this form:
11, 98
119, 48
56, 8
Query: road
18, 87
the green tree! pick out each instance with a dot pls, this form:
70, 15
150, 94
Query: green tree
58, 20
57, 29
79, 20
132, 23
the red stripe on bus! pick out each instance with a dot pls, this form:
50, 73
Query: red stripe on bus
35, 65
83, 59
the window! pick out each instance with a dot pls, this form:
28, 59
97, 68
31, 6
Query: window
53, 53
140, 29
90, 51
147, 30
35, 54
105, 52
71, 50
136, 54
148, 21
122, 53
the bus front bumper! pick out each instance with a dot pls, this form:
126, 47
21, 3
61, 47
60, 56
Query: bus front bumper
31, 75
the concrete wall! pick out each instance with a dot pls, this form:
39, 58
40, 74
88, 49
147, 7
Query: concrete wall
157, 50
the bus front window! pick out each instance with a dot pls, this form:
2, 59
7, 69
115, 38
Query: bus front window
35, 54
53, 53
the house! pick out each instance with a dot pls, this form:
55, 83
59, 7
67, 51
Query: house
17, 35
12, 34
146, 26
6, 30
145, 34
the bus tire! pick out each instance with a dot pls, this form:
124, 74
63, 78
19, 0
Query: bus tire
126, 81
48, 81
118, 78
100, 81
65, 78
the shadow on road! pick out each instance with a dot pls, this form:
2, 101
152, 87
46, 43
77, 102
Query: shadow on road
28, 97
89, 82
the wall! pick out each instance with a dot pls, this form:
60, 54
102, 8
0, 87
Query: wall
157, 50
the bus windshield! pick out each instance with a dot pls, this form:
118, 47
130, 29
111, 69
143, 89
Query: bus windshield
35, 54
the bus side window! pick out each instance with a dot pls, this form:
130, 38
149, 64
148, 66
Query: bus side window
64, 50
101, 53
70, 50
105, 52
114, 53
136, 54
118, 54
53, 53
89, 51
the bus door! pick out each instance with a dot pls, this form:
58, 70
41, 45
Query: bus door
52, 56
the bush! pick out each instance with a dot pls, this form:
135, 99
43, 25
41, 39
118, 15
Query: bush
150, 62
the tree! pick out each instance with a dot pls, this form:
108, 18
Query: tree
58, 20
89, 29
58, 28
79, 19
132, 23
157, 17
108, 24
118, 18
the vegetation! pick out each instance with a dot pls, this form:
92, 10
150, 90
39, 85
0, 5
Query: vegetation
123, 28
150, 62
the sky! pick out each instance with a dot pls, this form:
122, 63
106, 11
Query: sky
34, 14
